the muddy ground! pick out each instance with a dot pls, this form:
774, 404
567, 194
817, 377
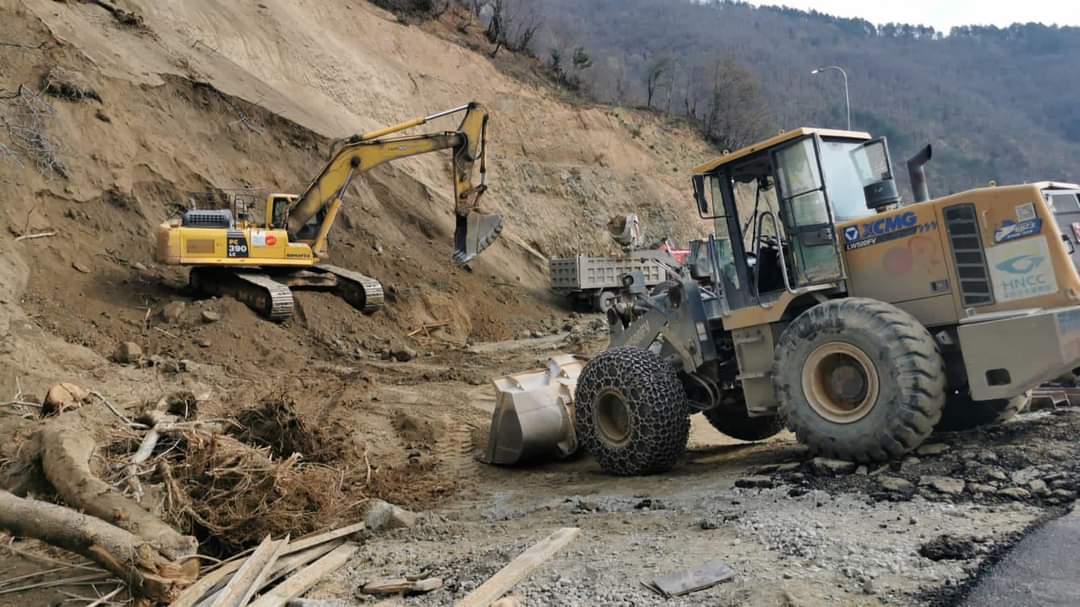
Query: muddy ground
798, 531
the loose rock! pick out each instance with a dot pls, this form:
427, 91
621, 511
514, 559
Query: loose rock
1015, 493
384, 515
128, 353
403, 354
932, 449
173, 311
824, 466
943, 484
899, 485
209, 316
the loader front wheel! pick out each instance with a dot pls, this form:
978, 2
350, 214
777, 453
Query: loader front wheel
631, 412
859, 379
963, 413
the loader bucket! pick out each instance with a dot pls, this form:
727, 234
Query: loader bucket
474, 233
534, 417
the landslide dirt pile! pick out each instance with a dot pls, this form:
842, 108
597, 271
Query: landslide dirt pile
111, 119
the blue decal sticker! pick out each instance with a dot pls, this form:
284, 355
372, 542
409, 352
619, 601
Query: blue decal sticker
1010, 230
1021, 264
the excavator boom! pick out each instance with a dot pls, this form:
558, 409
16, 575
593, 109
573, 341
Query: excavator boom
474, 231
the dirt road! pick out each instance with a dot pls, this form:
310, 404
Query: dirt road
798, 531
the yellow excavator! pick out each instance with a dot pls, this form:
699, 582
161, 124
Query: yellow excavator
259, 261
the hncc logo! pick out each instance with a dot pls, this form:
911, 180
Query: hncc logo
1021, 264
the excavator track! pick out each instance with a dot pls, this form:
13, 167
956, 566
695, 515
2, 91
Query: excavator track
362, 292
271, 299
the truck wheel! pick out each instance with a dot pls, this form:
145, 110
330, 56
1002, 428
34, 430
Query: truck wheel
859, 379
730, 418
603, 301
631, 412
963, 413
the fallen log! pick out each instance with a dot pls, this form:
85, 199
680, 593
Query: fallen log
65, 451
151, 575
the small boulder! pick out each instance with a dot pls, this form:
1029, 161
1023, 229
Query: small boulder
404, 354
384, 515
932, 449
138, 266
1016, 493
1024, 476
896, 484
1038, 487
209, 316
943, 484
61, 397
173, 311
128, 353
824, 466
82, 266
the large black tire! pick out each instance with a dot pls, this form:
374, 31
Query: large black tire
631, 412
730, 418
859, 379
962, 413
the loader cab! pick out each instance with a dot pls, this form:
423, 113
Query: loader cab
774, 206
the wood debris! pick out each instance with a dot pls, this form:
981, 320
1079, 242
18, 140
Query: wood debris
518, 569
402, 586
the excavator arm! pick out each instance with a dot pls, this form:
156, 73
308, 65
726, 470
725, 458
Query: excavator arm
473, 230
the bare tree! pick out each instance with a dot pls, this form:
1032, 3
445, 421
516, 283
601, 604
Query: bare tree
511, 23
654, 73
737, 113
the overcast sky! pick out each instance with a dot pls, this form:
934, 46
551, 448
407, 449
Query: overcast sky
943, 14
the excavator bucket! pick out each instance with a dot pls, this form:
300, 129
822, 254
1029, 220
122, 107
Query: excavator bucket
534, 415
474, 233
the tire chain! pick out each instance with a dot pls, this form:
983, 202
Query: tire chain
659, 415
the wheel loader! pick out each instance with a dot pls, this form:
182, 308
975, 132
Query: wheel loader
258, 261
820, 302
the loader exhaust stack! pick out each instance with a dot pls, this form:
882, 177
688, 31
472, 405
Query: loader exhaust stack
918, 174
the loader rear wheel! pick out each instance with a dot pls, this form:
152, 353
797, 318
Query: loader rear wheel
963, 413
859, 379
631, 412
730, 418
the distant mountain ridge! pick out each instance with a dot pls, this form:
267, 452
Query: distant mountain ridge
999, 104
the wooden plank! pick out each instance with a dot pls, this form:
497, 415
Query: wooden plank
283, 567
303, 580
402, 586
251, 574
518, 569
198, 590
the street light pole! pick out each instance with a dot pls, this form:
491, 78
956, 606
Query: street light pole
847, 99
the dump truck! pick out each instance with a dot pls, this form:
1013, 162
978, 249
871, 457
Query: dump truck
823, 303
595, 281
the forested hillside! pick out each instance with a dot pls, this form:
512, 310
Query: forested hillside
997, 104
